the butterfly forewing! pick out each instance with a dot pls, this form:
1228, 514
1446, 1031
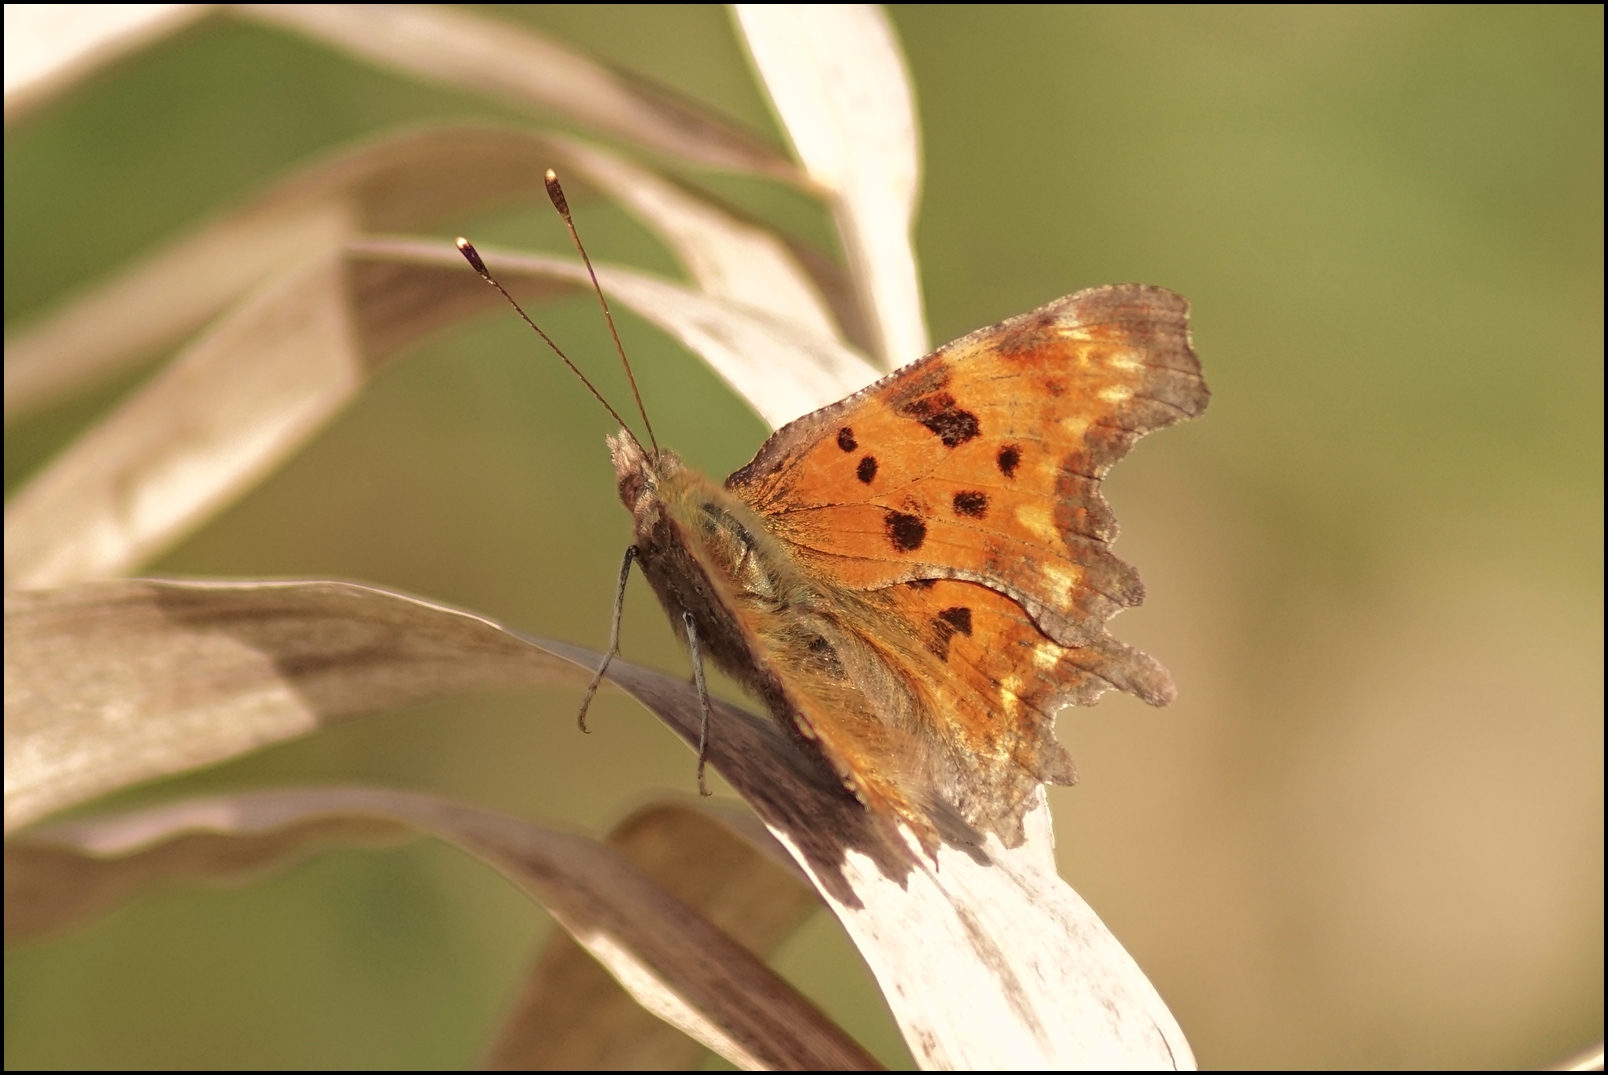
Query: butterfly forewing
983, 460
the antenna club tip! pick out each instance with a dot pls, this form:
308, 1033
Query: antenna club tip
472, 256
555, 193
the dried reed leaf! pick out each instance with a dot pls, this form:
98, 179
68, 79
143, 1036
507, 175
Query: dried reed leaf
456, 47
51, 889
265, 379
837, 80
672, 961
160, 301
219, 418
1047, 985
730, 259
780, 369
115, 683
52, 47
987, 958
400, 182
723, 864
253, 390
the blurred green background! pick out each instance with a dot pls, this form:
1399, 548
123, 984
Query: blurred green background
1370, 831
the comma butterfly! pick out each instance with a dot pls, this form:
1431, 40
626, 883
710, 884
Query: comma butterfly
914, 579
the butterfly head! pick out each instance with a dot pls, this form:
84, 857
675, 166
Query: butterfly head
640, 475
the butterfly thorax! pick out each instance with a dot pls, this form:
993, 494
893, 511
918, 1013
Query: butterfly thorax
792, 640
704, 551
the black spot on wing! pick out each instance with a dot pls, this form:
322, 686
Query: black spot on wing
947, 624
922, 584
905, 532
939, 413
845, 439
1009, 458
973, 505
954, 428
867, 469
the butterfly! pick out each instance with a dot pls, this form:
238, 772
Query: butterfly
913, 580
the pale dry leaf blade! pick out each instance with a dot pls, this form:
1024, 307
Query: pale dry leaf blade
722, 863
402, 181
837, 80
218, 418
264, 379
1048, 985
674, 962
223, 415
51, 889
50, 48
157, 302
728, 258
986, 957
986, 961
455, 47
779, 368
112, 684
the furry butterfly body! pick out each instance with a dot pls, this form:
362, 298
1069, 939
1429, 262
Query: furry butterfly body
914, 579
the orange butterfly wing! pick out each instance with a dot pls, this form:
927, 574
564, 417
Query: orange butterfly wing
958, 499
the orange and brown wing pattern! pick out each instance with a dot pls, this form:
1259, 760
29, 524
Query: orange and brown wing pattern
982, 462
998, 680
935, 700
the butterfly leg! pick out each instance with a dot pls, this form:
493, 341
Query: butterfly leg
703, 701
614, 636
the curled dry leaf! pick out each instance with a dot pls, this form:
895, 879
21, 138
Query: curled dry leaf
732, 260
402, 182
399, 182
672, 961
571, 1014
264, 380
987, 958
52, 888
115, 683
52, 47
779, 368
515, 64
836, 77
228, 410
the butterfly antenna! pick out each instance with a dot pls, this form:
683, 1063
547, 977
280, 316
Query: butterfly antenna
556, 194
472, 256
